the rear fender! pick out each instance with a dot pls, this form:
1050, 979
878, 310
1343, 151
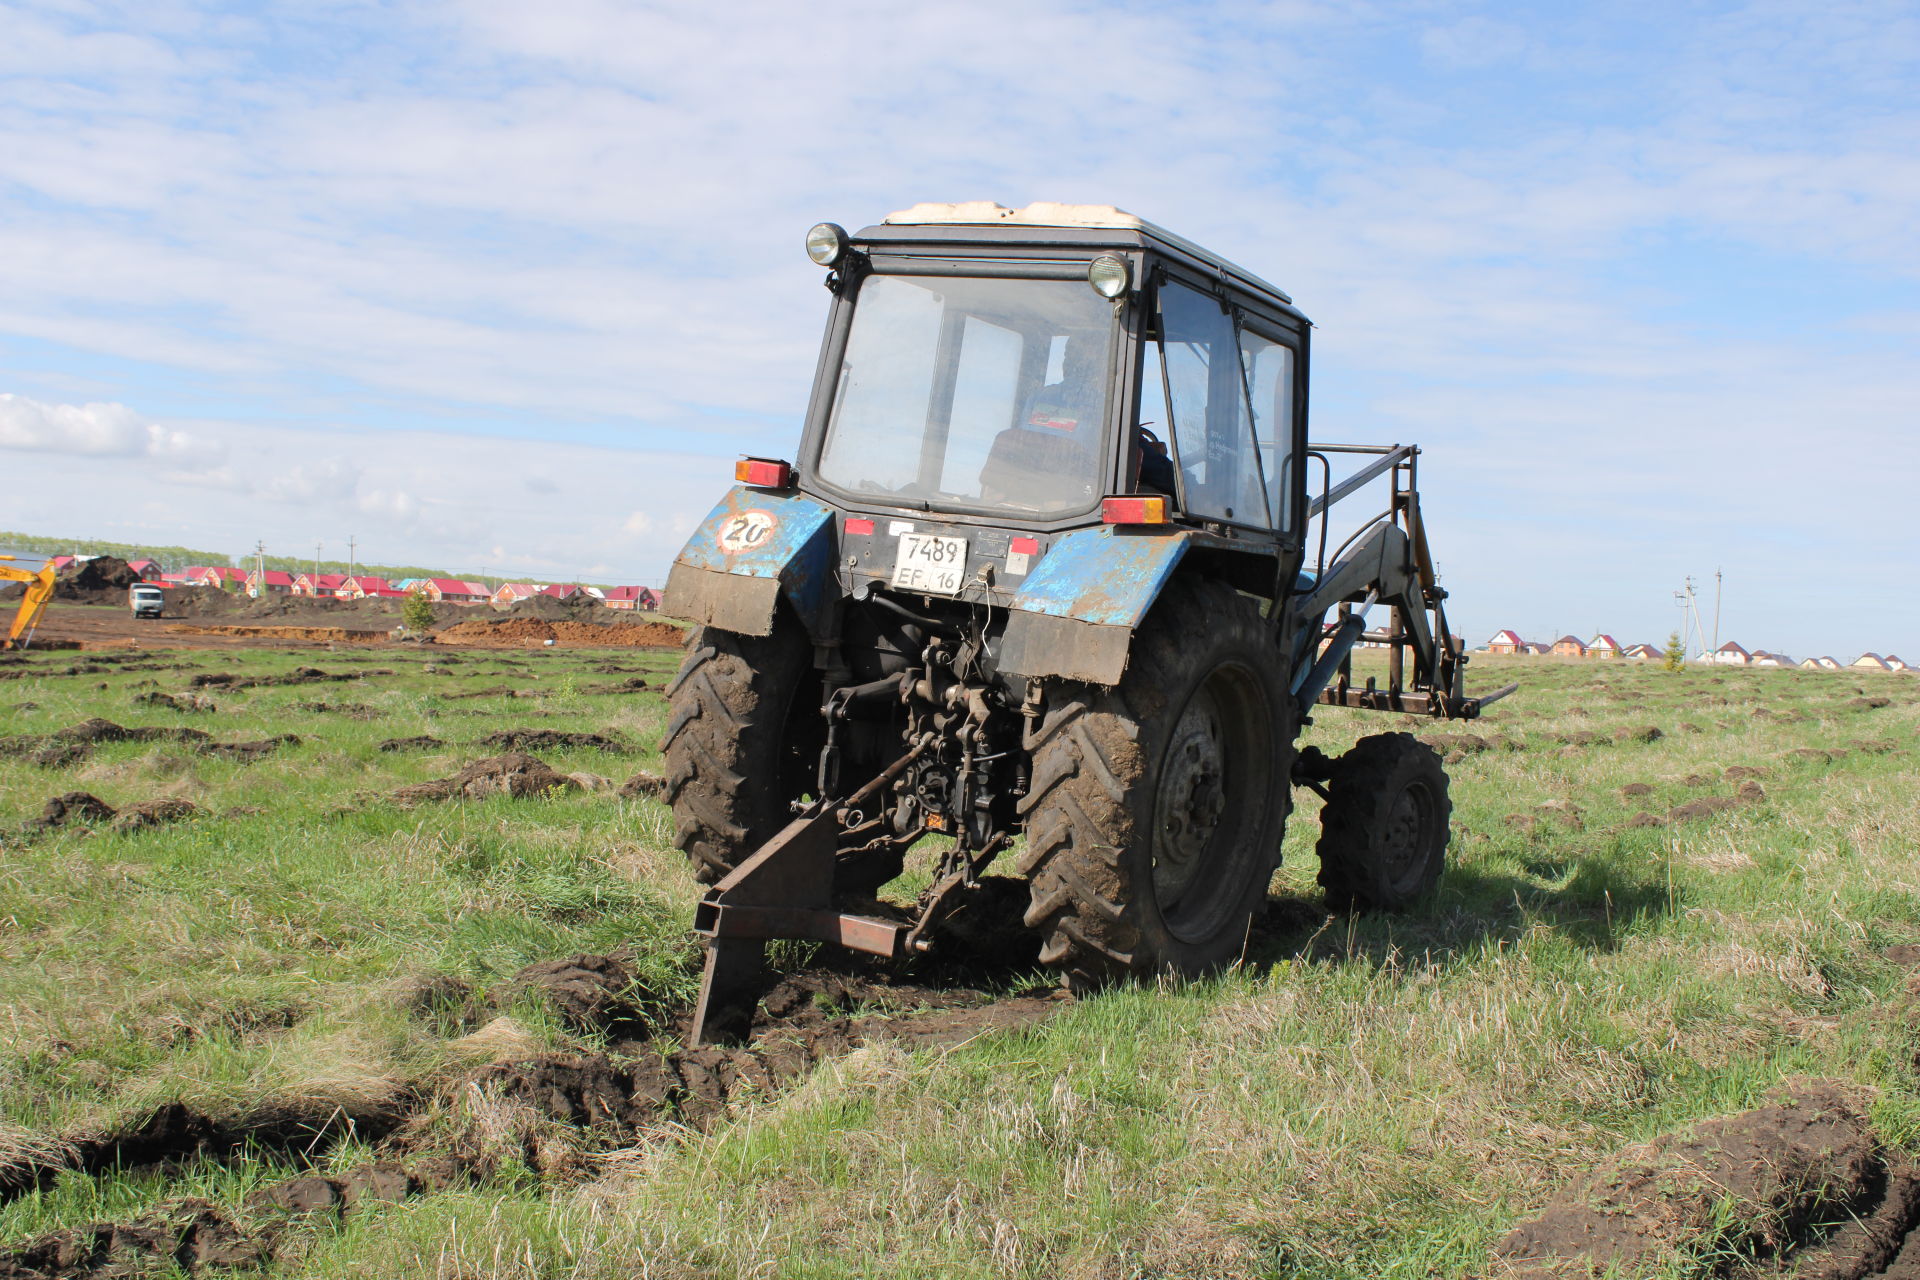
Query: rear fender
1074, 617
752, 549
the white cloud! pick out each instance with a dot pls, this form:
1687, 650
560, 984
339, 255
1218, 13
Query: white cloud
638, 523
100, 430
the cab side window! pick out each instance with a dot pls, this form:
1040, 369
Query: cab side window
1211, 427
1269, 373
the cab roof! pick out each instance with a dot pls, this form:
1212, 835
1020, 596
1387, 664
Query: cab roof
1051, 213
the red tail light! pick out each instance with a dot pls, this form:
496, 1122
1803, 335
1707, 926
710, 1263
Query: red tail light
856, 525
763, 473
1141, 510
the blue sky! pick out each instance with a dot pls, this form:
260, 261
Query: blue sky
495, 284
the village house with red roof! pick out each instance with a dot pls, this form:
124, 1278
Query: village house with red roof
276, 582
317, 584
514, 592
1731, 655
1569, 647
1603, 646
454, 591
1508, 642
1870, 662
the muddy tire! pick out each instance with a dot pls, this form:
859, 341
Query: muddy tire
1156, 809
741, 743
1383, 832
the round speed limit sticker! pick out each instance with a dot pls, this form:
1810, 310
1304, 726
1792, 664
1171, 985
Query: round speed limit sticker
746, 531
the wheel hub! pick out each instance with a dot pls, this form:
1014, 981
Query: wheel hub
1192, 797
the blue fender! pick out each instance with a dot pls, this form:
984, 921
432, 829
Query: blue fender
1074, 617
752, 549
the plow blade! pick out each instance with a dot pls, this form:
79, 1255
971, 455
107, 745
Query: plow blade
785, 890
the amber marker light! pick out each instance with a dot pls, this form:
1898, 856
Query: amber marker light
763, 473
1136, 510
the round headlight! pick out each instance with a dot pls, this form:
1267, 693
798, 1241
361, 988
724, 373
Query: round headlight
826, 242
1108, 275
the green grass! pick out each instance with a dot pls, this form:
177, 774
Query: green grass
1369, 1097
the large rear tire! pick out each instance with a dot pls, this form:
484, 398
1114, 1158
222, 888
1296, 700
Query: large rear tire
1156, 808
742, 742
1384, 830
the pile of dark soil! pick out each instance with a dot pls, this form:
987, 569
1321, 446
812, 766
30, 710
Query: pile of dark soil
1801, 1179
514, 774
101, 580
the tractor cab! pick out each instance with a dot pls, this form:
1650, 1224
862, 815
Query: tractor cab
1051, 368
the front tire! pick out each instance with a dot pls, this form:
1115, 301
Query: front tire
1384, 830
741, 743
1156, 808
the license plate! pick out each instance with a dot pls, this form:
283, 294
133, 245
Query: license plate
928, 562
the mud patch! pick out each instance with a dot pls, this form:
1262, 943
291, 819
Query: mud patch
1760, 1184
804, 1020
553, 740
350, 710
249, 752
590, 993
514, 774
171, 702
1635, 789
190, 1235
420, 742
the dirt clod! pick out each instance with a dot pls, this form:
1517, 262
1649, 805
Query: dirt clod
1645, 820
1704, 807
420, 742
1639, 733
1633, 789
643, 784
154, 813
1756, 1183
175, 702
590, 993
72, 807
551, 740
514, 774
248, 752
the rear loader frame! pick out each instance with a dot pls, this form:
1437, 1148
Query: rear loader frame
992, 604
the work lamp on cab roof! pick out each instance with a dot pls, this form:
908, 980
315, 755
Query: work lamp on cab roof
1108, 275
826, 241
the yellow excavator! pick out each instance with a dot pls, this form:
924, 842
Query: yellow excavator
39, 591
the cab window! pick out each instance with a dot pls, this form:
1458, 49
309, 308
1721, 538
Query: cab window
1210, 424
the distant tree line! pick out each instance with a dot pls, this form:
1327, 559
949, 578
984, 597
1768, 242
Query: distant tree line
178, 558
172, 557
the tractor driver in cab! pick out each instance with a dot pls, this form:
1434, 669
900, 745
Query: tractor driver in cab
1059, 425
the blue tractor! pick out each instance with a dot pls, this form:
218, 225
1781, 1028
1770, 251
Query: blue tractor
1049, 578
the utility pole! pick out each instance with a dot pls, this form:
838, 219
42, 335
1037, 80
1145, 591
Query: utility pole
316, 568
260, 570
1716, 610
350, 546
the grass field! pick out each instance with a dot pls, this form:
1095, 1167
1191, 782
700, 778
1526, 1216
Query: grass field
1608, 958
